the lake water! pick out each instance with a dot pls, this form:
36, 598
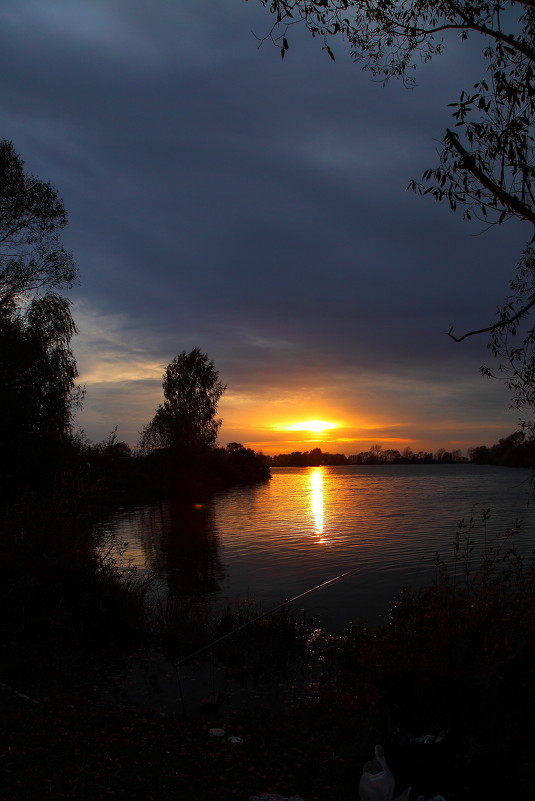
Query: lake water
274, 541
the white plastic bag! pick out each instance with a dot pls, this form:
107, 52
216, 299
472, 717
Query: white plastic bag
376, 782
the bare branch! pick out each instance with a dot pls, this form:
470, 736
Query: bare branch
502, 323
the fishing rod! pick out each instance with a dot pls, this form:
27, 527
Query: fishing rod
263, 615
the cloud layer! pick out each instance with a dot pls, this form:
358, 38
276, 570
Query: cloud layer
219, 197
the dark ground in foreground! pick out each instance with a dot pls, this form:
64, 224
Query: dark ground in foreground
71, 747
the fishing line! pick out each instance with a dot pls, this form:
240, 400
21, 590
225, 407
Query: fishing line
250, 623
263, 615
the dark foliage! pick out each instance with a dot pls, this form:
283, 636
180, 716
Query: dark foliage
312, 458
32, 258
446, 685
37, 369
202, 472
62, 598
486, 164
516, 450
187, 418
512, 343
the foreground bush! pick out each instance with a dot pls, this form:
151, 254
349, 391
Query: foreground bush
454, 662
61, 594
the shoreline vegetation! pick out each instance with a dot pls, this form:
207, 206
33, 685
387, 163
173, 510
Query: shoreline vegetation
452, 665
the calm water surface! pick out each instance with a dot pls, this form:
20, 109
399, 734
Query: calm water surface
276, 540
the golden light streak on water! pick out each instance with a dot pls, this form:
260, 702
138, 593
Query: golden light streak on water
317, 501
309, 524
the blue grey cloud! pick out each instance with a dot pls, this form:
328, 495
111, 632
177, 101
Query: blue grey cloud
256, 208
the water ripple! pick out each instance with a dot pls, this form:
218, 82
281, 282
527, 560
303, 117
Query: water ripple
307, 525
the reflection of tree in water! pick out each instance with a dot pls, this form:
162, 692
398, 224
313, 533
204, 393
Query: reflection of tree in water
184, 548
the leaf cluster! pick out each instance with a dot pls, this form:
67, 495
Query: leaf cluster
31, 217
486, 163
512, 342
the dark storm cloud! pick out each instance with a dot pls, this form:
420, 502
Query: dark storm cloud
219, 197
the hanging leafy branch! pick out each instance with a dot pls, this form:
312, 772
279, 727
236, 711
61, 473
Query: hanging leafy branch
487, 164
512, 343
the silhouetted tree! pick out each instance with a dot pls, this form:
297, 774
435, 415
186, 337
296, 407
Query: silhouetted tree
187, 418
31, 216
315, 457
390, 455
334, 459
38, 375
516, 450
479, 455
243, 465
38, 391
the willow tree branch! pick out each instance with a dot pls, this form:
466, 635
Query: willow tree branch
470, 23
500, 324
507, 200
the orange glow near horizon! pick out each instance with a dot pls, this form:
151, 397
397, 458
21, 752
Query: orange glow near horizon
316, 426
280, 423
347, 445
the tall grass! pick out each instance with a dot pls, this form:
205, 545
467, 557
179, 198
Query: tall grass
241, 635
455, 658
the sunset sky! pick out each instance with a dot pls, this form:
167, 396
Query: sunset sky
220, 197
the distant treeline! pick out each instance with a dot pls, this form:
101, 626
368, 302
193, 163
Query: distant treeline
512, 451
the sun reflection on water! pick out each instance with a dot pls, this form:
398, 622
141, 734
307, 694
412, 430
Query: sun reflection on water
316, 497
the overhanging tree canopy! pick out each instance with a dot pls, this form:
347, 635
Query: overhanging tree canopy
487, 162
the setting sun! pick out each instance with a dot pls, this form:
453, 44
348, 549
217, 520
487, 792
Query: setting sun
317, 426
